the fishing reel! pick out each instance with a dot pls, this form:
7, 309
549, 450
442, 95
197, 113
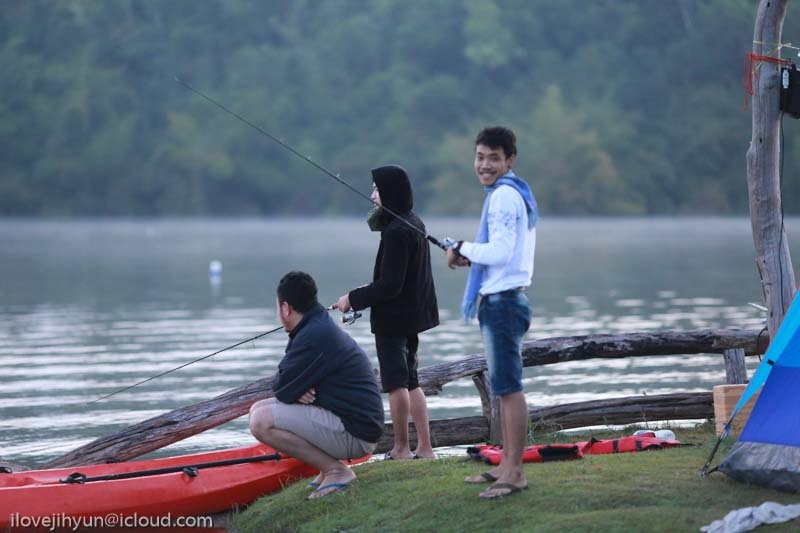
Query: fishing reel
448, 243
350, 317
452, 244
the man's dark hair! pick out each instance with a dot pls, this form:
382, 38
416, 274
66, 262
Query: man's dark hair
298, 290
498, 137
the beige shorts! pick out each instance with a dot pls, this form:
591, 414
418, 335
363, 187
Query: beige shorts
321, 428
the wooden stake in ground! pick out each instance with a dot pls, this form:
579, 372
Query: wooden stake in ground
763, 168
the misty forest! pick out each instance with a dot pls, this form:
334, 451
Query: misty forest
621, 107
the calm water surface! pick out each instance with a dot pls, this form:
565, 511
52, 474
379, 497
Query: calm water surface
89, 307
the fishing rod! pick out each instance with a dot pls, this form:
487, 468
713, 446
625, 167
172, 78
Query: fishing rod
184, 365
444, 244
347, 319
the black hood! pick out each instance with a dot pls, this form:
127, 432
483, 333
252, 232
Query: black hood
394, 187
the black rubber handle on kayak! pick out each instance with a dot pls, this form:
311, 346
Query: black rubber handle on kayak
77, 477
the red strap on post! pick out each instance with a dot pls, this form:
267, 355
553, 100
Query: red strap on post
751, 71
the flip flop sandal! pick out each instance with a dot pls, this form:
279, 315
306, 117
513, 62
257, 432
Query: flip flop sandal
337, 487
512, 489
486, 477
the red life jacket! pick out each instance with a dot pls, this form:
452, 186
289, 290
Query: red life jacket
537, 453
540, 453
636, 443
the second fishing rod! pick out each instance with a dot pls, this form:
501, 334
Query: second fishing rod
444, 244
348, 319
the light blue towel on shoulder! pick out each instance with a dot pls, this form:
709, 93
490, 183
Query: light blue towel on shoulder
469, 305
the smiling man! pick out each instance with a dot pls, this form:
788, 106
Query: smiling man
501, 269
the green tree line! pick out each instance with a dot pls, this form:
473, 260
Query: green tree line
620, 106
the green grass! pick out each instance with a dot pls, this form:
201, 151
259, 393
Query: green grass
645, 491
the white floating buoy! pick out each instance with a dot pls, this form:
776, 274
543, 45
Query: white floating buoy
215, 272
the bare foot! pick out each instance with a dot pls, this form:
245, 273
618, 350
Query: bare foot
402, 456
426, 453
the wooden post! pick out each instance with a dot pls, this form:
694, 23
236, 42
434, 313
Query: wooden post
491, 407
763, 169
735, 369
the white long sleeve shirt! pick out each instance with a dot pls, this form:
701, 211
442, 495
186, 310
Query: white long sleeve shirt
509, 253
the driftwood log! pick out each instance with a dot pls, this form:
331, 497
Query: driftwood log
617, 411
160, 431
611, 346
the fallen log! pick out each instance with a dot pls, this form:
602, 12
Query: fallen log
160, 431
616, 411
608, 346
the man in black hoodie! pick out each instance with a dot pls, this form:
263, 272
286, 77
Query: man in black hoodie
403, 302
327, 405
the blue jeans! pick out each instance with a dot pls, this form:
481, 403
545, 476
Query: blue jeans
504, 318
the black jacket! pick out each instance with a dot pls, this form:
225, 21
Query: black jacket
323, 356
401, 295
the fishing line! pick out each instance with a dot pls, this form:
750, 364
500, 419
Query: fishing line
185, 365
348, 318
447, 243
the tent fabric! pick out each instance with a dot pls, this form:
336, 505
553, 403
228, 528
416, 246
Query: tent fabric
777, 409
767, 465
768, 450
787, 339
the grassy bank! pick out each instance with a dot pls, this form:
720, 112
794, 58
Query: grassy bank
646, 491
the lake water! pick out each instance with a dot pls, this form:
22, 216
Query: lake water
89, 307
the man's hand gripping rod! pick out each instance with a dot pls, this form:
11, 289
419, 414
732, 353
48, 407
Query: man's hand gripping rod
349, 318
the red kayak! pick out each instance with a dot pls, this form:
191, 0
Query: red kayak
189, 485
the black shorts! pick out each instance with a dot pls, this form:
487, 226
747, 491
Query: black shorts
397, 357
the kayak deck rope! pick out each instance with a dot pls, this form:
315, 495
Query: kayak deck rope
190, 470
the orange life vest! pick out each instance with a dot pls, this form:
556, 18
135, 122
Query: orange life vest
540, 453
537, 453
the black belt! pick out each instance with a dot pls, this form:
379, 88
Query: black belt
508, 291
515, 289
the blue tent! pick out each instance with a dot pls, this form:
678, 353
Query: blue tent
768, 450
